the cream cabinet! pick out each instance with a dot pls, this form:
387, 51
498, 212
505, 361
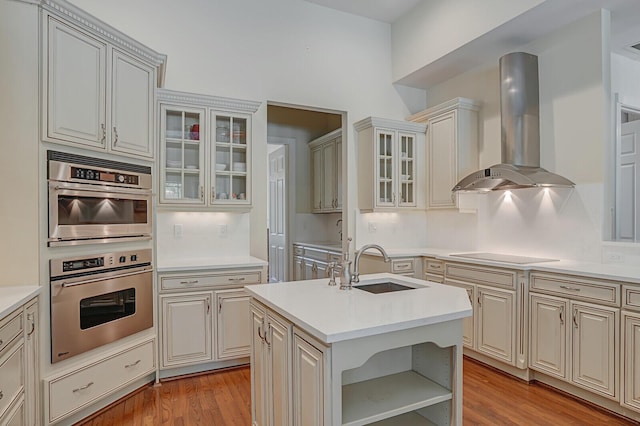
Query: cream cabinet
497, 328
631, 360
186, 328
308, 381
311, 263
373, 263
572, 339
98, 85
205, 151
19, 367
390, 164
326, 173
271, 368
204, 317
452, 148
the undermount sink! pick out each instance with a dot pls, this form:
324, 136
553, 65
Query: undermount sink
388, 287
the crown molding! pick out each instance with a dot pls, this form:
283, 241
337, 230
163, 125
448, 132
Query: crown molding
325, 138
453, 104
84, 20
402, 125
220, 102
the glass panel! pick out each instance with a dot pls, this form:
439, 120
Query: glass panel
239, 163
76, 210
191, 185
107, 307
223, 158
239, 131
239, 184
174, 125
223, 129
174, 154
173, 185
192, 126
223, 187
191, 156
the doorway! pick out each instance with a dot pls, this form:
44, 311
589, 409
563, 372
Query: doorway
290, 219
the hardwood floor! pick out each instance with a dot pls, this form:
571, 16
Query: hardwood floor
224, 399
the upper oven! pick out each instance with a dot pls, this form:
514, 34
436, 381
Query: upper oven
93, 200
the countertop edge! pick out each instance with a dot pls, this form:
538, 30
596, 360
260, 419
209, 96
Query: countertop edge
18, 296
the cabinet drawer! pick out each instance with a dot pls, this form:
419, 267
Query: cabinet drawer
631, 297
481, 275
577, 288
434, 266
434, 278
403, 266
221, 279
12, 374
10, 328
74, 391
316, 254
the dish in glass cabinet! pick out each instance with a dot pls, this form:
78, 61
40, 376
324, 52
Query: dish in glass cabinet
221, 167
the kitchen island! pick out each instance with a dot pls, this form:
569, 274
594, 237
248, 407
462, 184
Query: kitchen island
324, 356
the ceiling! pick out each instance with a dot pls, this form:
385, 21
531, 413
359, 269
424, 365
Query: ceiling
537, 22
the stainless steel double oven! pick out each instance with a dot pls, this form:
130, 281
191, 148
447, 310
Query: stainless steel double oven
98, 298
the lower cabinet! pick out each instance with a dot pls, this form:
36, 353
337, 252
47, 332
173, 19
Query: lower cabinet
19, 367
287, 374
204, 318
310, 263
631, 360
575, 341
495, 315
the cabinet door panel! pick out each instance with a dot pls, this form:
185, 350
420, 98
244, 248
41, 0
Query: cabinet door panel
329, 176
278, 345
308, 384
442, 155
548, 335
131, 106
338, 191
76, 92
595, 348
317, 172
233, 328
496, 318
385, 169
186, 331
631, 367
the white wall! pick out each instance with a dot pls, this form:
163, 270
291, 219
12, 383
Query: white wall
437, 27
19, 241
574, 133
288, 51
625, 76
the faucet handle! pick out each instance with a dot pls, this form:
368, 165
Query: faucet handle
332, 273
346, 253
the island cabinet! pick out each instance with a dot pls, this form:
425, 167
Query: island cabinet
391, 165
575, 330
452, 148
203, 319
326, 173
205, 151
373, 263
98, 84
396, 375
631, 347
498, 327
433, 270
19, 367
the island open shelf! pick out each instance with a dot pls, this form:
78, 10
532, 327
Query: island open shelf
412, 419
383, 397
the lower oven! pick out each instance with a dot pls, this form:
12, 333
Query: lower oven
99, 299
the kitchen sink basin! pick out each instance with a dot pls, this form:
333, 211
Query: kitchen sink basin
388, 287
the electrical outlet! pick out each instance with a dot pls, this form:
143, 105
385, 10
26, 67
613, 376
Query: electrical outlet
177, 230
223, 230
373, 227
614, 258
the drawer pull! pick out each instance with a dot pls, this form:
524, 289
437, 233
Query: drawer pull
435, 266
569, 288
189, 282
562, 315
575, 318
1, 395
132, 365
1, 342
236, 279
81, 388
405, 266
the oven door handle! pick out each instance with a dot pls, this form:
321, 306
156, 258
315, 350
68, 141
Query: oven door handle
66, 284
102, 190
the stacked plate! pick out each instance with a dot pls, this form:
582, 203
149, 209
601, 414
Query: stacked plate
239, 167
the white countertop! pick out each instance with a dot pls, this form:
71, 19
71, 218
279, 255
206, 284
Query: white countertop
333, 315
13, 297
218, 262
607, 271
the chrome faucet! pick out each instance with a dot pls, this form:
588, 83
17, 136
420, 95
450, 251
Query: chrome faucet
348, 278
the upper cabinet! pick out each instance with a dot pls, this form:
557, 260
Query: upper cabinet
205, 151
98, 84
452, 148
390, 164
326, 172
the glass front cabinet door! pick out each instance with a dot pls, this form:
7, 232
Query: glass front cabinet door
205, 155
182, 155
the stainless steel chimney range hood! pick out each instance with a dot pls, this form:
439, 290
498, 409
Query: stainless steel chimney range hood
519, 112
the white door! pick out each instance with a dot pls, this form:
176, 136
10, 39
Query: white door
233, 328
131, 106
278, 253
628, 182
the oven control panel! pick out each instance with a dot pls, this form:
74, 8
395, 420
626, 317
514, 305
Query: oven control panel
101, 262
103, 176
